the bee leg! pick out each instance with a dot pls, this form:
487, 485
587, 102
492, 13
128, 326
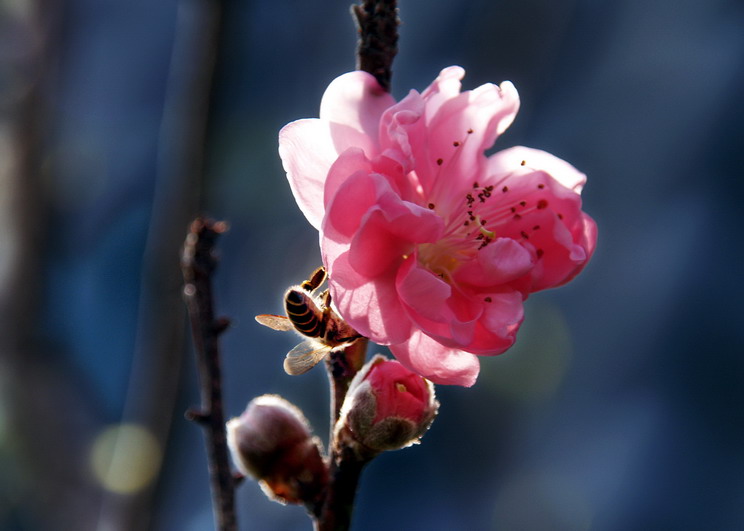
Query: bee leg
325, 299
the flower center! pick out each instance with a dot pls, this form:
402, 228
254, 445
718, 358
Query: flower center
441, 258
473, 223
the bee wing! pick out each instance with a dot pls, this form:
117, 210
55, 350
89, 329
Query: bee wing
304, 357
276, 322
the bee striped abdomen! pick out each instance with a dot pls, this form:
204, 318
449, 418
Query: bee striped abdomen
301, 310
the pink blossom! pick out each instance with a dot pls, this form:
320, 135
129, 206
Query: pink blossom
387, 407
399, 392
431, 246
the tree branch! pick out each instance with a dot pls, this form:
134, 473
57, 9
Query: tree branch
342, 366
377, 24
198, 263
344, 473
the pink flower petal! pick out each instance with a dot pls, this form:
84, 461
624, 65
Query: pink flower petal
500, 262
590, 235
445, 87
351, 161
449, 151
519, 157
440, 364
372, 307
465, 126
501, 319
389, 231
374, 249
423, 292
351, 202
400, 125
356, 100
443, 313
307, 152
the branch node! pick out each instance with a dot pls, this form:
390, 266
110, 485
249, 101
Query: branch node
197, 415
238, 478
221, 324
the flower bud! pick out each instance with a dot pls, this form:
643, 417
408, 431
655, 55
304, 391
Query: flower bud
387, 407
272, 442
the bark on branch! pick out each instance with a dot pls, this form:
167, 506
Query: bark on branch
198, 263
377, 24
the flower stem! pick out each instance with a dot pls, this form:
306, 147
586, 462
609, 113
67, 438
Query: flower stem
343, 479
197, 264
342, 366
334, 514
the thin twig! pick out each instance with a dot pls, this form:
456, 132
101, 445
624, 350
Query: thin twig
198, 264
377, 24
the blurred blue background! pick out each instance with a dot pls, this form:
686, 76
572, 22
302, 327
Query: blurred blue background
621, 405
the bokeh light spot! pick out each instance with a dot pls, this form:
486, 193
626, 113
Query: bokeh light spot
536, 365
125, 458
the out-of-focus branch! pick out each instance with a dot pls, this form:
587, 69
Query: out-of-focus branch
198, 263
44, 451
178, 198
377, 24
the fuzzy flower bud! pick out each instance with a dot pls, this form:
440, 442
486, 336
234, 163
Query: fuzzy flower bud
387, 407
272, 442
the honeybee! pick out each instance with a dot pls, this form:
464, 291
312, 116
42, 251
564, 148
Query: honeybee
313, 318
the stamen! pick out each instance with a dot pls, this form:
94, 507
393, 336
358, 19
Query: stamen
487, 233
